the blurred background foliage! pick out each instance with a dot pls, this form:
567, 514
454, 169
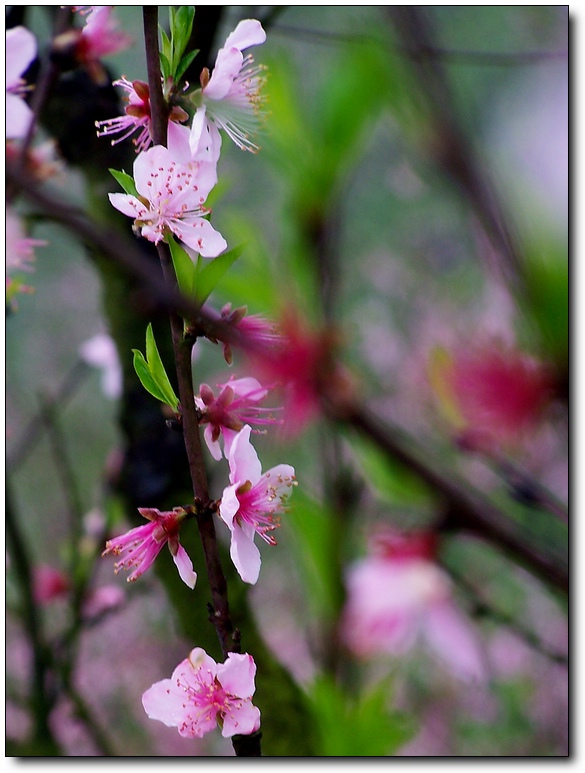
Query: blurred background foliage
346, 214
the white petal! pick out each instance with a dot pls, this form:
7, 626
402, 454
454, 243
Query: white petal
249, 32
185, 567
229, 505
227, 66
128, 205
18, 117
245, 554
21, 49
200, 235
243, 459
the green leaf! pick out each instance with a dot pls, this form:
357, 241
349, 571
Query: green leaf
165, 66
212, 273
185, 62
157, 370
125, 181
145, 376
185, 269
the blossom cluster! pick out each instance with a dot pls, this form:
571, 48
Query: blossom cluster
167, 200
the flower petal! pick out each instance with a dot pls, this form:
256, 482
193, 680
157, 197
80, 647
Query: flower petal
165, 701
244, 553
213, 445
455, 641
185, 567
227, 66
229, 505
243, 459
249, 32
128, 205
242, 719
200, 235
21, 49
237, 675
18, 117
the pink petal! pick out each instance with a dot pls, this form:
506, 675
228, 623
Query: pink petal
280, 480
247, 387
178, 142
164, 701
198, 663
241, 720
244, 553
18, 117
243, 459
227, 66
213, 445
149, 161
229, 435
21, 49
453, 638
229, 505
237, 675
185, 567
200, 235
128, 205
248, 33
204, 138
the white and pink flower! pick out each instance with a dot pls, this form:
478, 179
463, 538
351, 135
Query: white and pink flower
170, 199
21, 49
202, 694
251, 504
226, 414
231, 98
100, 36
397, 596
141, 546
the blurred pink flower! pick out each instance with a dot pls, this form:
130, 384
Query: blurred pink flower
171, 198
137, 116
49, 583
226, 414
19, 254
202, 694
259, 334
21, 49
494, 394
100, 351
102, 600
142, 545
231, 98
397, 596
301, 363
100, 36
249, 505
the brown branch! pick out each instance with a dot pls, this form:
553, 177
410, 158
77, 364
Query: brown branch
182, 346
467, 508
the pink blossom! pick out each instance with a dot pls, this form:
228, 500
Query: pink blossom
49, 583
21, 49
258, 333
226, 414
143, 544
302, 364
495, 394
19, 253
396, 597
100, 36
231, 98
171, 198
137, 116
107, 598
202, 694
250, 504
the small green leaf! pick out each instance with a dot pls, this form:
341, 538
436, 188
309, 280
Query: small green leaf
157, 370
125, 181
185, 269
145, 376
185, 62
165, 66
212, 273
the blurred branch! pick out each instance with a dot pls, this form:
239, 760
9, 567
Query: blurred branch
467, 508
450, 149
41, 703
37, 425
484, 608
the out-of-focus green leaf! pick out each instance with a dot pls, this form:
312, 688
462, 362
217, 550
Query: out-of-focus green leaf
211, 273
394, 483
356, 727
125, 181
312, 525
